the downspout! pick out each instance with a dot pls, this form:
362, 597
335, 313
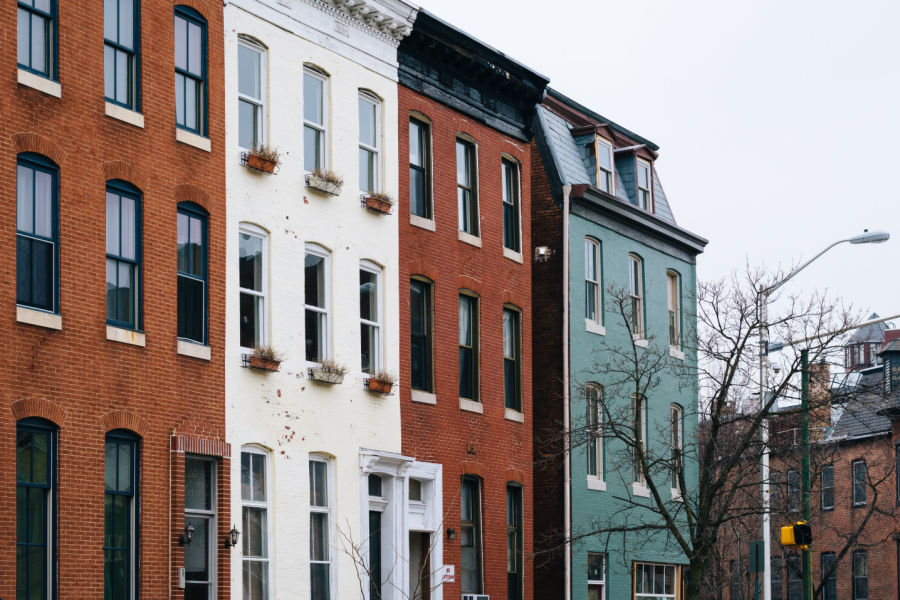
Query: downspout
567, 466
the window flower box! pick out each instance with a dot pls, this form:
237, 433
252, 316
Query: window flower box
380, 383
327, 182
264, 358
379, 203
263, 159
328, 372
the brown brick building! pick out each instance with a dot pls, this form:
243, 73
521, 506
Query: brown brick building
466, 330
112, 186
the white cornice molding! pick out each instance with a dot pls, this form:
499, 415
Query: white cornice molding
370, 17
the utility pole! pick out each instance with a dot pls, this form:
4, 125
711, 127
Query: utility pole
804, 467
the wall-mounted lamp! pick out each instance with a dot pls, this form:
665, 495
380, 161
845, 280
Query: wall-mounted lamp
542, 254
451, 534
185, 539
232, 539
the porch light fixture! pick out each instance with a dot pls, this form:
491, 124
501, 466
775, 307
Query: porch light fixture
451, 534
232, 539
184, 540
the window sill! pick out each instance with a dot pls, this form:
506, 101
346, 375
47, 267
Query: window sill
592, 326
192, 139
676, 353
639, 489
194, 350
423, 397
513, 255
640, 342
511, 414
468, 238
417, 221
39, 318
39, 83
676, 496
595, 483
125, 336
471, 406
124, 114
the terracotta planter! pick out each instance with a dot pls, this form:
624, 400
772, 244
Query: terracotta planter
322, 185
260, 163
380, 387
378, 205
324, 376
258, 362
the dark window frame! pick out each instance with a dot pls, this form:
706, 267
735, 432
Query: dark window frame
792, 481
194, 211
515, 536
511, 201
856, 486
776, 568
468, 219
125, 437
827, 491
829, 590
51, 45
123, 188
132, 54
795, 577
36, 162
475, 524
473, 349
425, 339
189, 15
512, 366
425, 170
596, 446
860, 580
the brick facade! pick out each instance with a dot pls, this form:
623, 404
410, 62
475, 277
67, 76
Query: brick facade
76, 378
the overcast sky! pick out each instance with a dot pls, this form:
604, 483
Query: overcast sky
778, 121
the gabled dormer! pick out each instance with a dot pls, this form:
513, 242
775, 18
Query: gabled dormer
890, 361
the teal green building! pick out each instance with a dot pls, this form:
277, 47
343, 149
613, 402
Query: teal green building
614, 324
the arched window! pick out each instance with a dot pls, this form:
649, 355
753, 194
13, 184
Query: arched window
467, 185
317, 282
251, 93
193, 273
676, 433
421, 324
636, 293
639, 440
254, 285
420, 204
471, 568
514, 540
369, 142
673, 291
255, 507
595, 444
123, 255
191, 106
512, 358
37, 232
321, 501
511, 195
468, 346
120, 542
370, 317
36, 42
593, 283
121, 46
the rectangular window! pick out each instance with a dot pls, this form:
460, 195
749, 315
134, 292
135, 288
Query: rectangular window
511, 210
593, 282
421, 335
314, 119
604, 154
639, 425
192, 273
829, 590
123, 256
737, 580
675, 432
370, 317
656, 582
776, 567
595, 431
375, 555
596, 576
793, 491
795, 577
36, 37
860, 575
514, 542
470, 536
251, 94
897, 472
37, 233
420, 169
190, 70
253, 284
319, 530
775, 492
255, 509
200, 513
645, 182
468, 347
120, 540
859, 482
369, 142
512, 360
827, 479
35, 501
317, 300
636, 292
673, 287
120, 51
466, 187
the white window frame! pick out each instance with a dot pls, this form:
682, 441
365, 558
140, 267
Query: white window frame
261, 101
603, 144
673, 289
507, 161
213, 514
676, 441
676, 582
636, 292
594, 325
599, 582
425, 124
376, 361
640, 483
248, 229
322, 252
267, 506
596, 480
376, 149
322, 127
329, 510
641, 163
473, 237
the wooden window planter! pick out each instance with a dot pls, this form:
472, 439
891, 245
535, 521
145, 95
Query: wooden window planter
258, 362
321, 184
259, 162
377, 386
378, 204
326, 376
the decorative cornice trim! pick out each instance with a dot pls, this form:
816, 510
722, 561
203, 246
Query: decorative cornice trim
365, 17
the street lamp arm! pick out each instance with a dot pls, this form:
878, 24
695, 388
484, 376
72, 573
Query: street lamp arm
768, 291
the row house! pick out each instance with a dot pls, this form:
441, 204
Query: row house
112, 420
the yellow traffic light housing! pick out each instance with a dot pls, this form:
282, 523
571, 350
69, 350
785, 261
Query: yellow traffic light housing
797, 535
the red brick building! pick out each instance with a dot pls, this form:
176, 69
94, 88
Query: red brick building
112, 186
466, 330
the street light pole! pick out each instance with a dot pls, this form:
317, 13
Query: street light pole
804, 467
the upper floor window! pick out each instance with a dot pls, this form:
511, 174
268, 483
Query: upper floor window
320, 502
315, 88
192, 273
468, 347
859, 482
369, 142
37, 233
421, 335
636, 292
35, 505
420, 168
471, 570
370, 316
675, 445
123, 255
466, 187
596, 576
645, 183
514, 542
860, 575
36, 37
251, 94
673, 289
793, 490
663, 582
512, 360
253, 281
829, 576
604, 154
511, 210
120, 51
594, 397
639, 441
593, 282
255, 516
794, 577
121, 513
827, 479
190, 70
316, 282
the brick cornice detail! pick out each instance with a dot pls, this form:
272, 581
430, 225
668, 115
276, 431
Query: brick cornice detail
31, 142
189, 444
206, 8
423, 269
510, 297
123, 419
465, 282
117, 169
471, 467
185, 192
516, 475
38, 407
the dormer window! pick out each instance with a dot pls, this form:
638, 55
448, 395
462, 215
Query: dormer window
645, 195
604, 154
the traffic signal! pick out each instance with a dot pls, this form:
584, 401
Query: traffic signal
798, 534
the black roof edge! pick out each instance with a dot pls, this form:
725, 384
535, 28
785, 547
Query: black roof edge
548, 156
600, 118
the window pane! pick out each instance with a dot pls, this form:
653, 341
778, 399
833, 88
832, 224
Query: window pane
39, 58
112, 285
254, 533
462, 163
318, 483
417, 193
197, 258
251, 317
313, 92
125, 464
315, 336
318, 536
109, 71
320, 582
43, 203
191, 303
314, 280
251, 262
128, 228
183, 239
416, 154
24, 199
123, 77
465, 321
195, 54
126, 293
23, 27
312, 159
366, 170
180, 82
247, 123
367, 122
180, 43
196, 554
604, 157
112, 223
258, 479
198, 485
126, 23
249, 71
368, 295
191, 106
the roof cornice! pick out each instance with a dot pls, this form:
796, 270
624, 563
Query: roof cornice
392, 19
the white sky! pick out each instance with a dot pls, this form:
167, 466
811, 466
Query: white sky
777, 120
